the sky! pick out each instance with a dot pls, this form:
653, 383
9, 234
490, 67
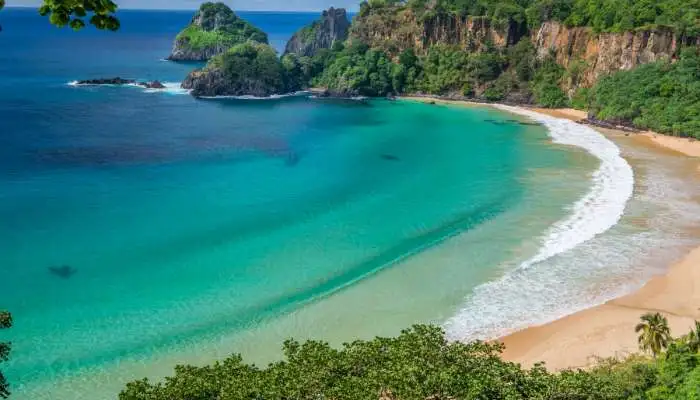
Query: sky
266, 5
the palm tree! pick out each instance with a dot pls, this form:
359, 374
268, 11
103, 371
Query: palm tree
654, 334
694, 338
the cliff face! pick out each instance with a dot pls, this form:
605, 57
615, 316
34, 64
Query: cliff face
321, 34
395, 31
604, 53
213, 29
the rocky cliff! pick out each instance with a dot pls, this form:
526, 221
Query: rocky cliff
598, 54
214, 29
396, 30
321, 34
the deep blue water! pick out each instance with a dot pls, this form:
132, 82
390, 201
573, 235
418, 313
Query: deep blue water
187, 221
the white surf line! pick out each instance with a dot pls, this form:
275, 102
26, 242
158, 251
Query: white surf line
250, 97
519, 297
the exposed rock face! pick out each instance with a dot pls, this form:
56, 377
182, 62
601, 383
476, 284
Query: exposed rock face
183, 52
213, 82
600, 54
321, 34
214, 29
395, 31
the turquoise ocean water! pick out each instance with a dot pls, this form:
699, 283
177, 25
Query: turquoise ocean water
200, 228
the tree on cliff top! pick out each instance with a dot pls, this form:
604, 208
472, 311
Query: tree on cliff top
5, 322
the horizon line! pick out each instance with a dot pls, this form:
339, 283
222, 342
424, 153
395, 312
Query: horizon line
194, 9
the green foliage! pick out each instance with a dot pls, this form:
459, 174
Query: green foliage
359, 70
661, 96
5, 323
417, 364
545, 84
694, 338
623, 15
654, 334
580, 99
254, 67
74, 13
198, 38
602, 15
445, 69
421, 364
216, 25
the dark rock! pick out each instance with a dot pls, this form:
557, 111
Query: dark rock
321, 34
152, 85
212, 82
120, 81
107, 81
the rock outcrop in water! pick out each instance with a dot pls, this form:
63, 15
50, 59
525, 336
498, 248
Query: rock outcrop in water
121, 81
248, 69
321, 34
214, 29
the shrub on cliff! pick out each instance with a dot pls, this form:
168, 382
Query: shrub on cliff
661, 96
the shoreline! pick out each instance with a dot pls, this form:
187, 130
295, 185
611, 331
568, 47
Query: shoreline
580, 339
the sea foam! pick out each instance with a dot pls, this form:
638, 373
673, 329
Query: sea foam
249, 97
170, 87
532, 292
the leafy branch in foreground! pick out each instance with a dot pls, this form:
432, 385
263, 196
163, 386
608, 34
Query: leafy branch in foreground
74, 13
5, 322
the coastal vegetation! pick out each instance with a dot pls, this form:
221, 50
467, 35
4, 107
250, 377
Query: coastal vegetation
422, 364
5, 323
663, 96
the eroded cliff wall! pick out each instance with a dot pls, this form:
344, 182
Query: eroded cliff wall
599, 54
395, 31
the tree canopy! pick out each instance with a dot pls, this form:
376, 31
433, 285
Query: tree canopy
663, 96
422, 364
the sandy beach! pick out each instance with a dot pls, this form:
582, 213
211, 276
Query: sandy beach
607, 330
